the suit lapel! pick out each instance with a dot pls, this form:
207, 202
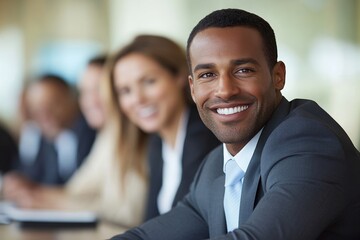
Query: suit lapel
217, 223
216, 190
249, 189
252, 177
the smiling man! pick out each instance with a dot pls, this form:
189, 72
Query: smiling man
235, 86
286, 170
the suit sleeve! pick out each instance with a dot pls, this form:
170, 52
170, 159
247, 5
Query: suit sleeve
304, 171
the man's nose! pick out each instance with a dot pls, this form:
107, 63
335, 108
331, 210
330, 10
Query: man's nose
227, 87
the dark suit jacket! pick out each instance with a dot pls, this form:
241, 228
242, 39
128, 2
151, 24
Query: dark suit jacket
8, 150
199, 141
45, 166
303, 182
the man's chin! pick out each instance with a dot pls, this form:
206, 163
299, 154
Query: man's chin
228, 139
233, 137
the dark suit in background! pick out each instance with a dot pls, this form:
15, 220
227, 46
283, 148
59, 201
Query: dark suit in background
199, 141
44, 168
302, 182
8, 150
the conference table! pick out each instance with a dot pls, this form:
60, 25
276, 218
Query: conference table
14, 231
24, 224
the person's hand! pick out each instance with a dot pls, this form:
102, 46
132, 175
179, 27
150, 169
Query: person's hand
27, 194
18, 189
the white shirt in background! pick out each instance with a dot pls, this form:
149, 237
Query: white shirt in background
172, 167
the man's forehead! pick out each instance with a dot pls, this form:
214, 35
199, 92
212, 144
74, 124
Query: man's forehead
217, 34
214, 42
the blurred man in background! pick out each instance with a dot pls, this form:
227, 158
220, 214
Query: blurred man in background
90, 103
65, 137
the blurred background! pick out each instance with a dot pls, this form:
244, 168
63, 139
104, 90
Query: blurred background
319, 41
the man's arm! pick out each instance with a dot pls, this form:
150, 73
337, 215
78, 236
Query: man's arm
180, 223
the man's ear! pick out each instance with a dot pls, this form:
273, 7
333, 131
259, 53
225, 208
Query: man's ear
279, 73
191, 84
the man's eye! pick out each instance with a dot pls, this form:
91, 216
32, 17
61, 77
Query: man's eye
206, 75
244, 70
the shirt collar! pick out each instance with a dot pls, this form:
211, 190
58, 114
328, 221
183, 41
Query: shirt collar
243, 157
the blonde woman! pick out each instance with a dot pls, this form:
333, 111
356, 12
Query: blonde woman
149, 85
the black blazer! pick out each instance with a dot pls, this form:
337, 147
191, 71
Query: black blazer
8, 150
302, 182
199, 141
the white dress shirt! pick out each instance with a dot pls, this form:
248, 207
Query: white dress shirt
30, 137
66, 145
172, 167
242, 159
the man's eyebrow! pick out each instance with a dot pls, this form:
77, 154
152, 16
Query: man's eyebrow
233, 62
244, 61
204, 66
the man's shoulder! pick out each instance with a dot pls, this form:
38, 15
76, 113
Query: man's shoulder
302, 126
305, 128
300, 112
305, 105
306, 113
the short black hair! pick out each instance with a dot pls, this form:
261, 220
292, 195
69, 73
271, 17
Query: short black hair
234, 18
54, 78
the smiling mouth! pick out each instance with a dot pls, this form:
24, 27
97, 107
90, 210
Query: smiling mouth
233, 110
146, 112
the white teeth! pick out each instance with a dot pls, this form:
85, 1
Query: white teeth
228, 111
146, 112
